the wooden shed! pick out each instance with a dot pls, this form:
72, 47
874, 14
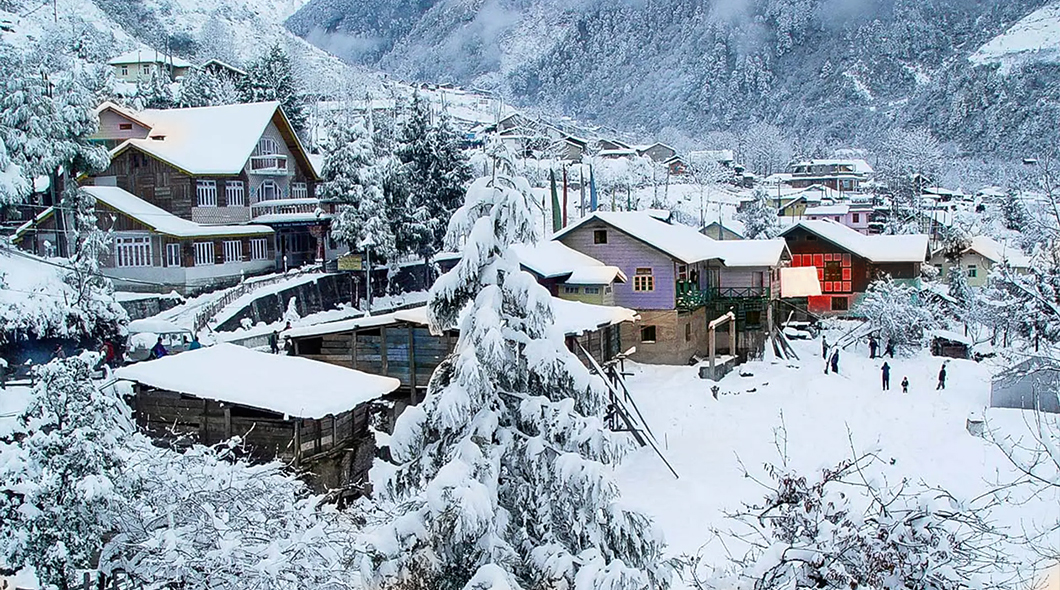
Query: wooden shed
315, 416
400, 344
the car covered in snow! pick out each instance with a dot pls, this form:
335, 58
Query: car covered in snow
143, 334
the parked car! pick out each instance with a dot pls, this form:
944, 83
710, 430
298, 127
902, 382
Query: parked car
143, 334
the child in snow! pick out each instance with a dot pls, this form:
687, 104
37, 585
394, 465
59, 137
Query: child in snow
905, 384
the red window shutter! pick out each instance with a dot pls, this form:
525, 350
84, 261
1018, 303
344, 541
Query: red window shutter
818, 259
846, 260
807, 259
820, 274
796, 260
846, 274
827, 257
846, 286
827, 286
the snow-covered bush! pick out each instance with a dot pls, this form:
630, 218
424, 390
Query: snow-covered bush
61, 477
841, 528
898, 313
759, 217
503, 473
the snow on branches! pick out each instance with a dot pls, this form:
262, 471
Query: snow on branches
897, 312
842, 528
503, 473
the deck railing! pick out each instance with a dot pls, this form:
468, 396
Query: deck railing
691, 297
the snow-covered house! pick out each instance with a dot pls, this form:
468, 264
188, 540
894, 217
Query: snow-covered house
848, 261
314, 415
117, 124
1030, 385
978, 259
853, 216
658, 152
219, 68
723, 229
845, 175
401, 345
680, 279
569, 274
141, 64
225, 165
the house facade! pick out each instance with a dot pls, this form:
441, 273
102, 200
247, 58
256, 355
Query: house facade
854, 217
847, 261
225, 165
978, 260
679, 280
139, 65
839, 175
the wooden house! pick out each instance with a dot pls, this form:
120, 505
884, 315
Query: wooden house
401, 345
316, 416
680, 279
569, 274
844, 175
225, 165
853, 216
154, 247
723, 229
978, 260
221, 69
117, 124
658, 152
140, 64
848, 261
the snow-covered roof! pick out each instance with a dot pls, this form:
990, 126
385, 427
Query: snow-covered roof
596, 275
154, 326
550, 259
234, 374
205, 140
841, 209
730, 224
163, 221
685, 243
859, 166
124, 112
799, 281
148, 56
877, 248
224, 65
573, 317
995, 251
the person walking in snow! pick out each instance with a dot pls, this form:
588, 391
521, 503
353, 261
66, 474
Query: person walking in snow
942, 378
890, 349
905, 384
873, 346
886, 370
835, 361
824, 348
274, 342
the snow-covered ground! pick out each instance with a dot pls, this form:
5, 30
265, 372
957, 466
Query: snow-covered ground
1035, 38
827, 418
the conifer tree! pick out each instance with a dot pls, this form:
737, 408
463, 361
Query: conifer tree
503, 475
271, 77
201, 88
759, 218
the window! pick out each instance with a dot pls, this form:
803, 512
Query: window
682, 272
592, 290
688, 332
570, 290
647, 333
267, 146
810, 237
234, 196
129, 252
299, 190
125, 70
233, 251
856, 217
643, 280
259, 249
125, 126
172, 254
840, 303
973, 271
838, 219
203, 253
269, 191
207, 193
599, 236
607, 289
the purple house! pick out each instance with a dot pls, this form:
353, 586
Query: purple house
678, 280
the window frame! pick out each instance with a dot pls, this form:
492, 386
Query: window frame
645, 330
132, 252
205, 254
299, 190
599, 236
570, 290
233, 251
643, 280
174, 261
206, 193
259, 193
259, 245
235, 193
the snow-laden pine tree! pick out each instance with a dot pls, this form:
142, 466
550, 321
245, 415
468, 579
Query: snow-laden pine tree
202, 88
436, 175
503, 473
100, 314
271, 77
154, 92
897, 312
759, 218
61, 476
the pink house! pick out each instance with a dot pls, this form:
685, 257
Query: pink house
855, 218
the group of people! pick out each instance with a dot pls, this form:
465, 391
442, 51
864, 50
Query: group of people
886, 373
274, 342
874, 347
831, 358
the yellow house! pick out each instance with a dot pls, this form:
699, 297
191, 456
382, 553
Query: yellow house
141, 64
978, 259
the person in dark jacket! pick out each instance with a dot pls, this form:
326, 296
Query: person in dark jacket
890, 349
195, 344
824, 348
873, 347
905, 384
159, 350
942, 378
835, 361
886, 370
274, 342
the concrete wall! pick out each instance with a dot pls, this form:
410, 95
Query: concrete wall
671, 346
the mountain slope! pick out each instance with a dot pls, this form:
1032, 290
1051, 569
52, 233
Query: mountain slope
829, 71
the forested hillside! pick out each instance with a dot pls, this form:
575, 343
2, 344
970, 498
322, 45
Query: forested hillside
826, 71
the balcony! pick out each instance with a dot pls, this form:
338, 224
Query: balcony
690, 297
286, 210
270, 165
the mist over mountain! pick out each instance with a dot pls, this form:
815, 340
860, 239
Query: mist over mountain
826, 71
